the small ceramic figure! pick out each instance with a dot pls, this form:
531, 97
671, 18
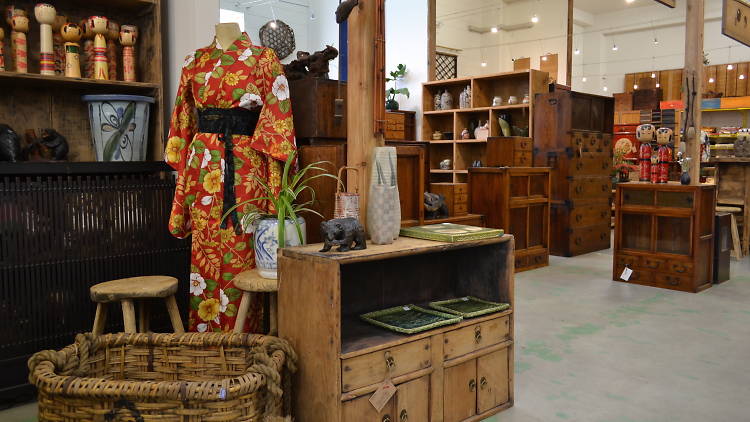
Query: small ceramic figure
346, 233
512, 100
2, 50
468, 96
99, 26
482, 132
525, 99
45, 14
437, 135
497, 101
87, 59
57, 43
72, 33
465, 134
446, 101
434, 206
10, 144
20, 25
128, 38
505, 122
446, 164
112, 35
436, 100
645, 134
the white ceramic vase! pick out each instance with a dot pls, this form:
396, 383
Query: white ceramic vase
266, 243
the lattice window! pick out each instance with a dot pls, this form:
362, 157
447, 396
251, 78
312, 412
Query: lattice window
446, 66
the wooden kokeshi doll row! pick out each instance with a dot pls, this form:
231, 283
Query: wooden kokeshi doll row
59, 48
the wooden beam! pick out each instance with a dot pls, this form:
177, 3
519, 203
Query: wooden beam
431, 38
569, 62
693, 80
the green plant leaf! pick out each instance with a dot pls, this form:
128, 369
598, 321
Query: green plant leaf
238, 93
233, 294
231, 310
227, 60
195, 301
211, 284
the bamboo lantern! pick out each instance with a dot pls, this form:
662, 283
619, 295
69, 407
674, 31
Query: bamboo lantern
88, 49
113, 33
57, 41
72, 33
2, 50
128, 38
45, 15
20, 25
99, 26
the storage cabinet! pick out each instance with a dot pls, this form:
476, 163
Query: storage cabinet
456, 196
453, 373
515, 199
664, 233
510, 151
400, 125
573, 136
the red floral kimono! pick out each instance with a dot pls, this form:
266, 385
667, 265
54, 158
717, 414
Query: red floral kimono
243, 75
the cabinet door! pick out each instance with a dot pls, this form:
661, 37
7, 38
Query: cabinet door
460, 392
492, 372
361, 410
413, 401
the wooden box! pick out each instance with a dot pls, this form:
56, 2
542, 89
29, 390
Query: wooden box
513, 151
647, 99
400, 125
515, 199
623, 102
587, 227
456, 196
722, 247
664, 233
313, 104
460, 372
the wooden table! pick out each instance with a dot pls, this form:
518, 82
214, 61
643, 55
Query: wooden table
733, 181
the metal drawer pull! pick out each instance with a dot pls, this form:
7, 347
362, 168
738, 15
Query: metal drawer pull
472, 385
652, 265
680, 269
404, 416
387, 418
390, 362
478, 335
483, 383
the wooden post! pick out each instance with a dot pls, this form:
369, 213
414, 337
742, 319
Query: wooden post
569, 57
693, 75
432, 38
361, 91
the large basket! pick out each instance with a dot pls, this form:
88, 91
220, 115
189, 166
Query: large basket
165, 377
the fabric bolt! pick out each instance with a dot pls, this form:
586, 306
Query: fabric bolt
242, 75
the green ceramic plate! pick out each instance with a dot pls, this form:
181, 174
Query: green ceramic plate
409, 319
469, 306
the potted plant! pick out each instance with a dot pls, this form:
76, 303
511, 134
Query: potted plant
390, 100
286, 227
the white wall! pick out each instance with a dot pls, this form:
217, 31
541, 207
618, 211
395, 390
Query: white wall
406, 42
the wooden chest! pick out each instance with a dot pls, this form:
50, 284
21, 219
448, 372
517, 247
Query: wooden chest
400, 125
515, 199
456, 196
647, 99
315, 112
514, 151
573, 137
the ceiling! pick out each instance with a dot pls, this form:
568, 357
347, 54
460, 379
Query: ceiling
603, 6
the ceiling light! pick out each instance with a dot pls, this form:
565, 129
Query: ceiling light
653, 75
730, 67
635, 86
583, 79
629, 1
710, 80
493, 30
577, 52
742, 76
615, 47
535, 18
658, 85
604, 89
656, 41
484, 64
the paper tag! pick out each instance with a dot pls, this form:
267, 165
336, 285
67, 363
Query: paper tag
465, 299
381, 396
626, 273
406, 308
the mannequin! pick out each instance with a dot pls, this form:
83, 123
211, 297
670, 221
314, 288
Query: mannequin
227, 33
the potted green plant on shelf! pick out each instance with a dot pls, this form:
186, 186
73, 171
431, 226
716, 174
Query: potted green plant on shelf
286, 227
397, 75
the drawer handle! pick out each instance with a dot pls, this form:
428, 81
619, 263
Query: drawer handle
404, 416
593, 142
602, 236
478, 335
390, 362
578, 241
579, 217
652, 265
579, 189
680, 269
387, 418
472, 385
483, 383
674, 282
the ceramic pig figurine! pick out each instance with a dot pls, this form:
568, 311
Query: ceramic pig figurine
343, 232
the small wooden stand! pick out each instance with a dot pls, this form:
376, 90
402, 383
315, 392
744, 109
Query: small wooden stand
20, 25
99, 27
128, 38
45, 14
72, 34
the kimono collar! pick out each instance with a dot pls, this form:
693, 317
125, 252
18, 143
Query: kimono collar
244, 38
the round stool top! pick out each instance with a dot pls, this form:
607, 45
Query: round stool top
728, 209
251, 281
135, 287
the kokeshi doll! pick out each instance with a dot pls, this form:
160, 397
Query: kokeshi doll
128, 38
11, 11
58, 44
20, 25
88, 49
45, 15
2, 50
645, 135
99, 26
72, 33
113, 33
664, 139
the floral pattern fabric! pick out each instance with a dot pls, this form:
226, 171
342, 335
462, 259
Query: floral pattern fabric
242, 75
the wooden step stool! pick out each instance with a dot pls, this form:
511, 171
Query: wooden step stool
736, 248
251, 282
127, 290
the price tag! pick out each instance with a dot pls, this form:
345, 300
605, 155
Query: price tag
626, 273
382, 395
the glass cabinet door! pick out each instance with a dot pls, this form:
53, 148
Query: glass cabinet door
673, 235
635, 231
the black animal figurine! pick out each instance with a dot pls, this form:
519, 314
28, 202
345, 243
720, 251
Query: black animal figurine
51, 146
434, 206
10, 144
345, 9
343, 232
314, 65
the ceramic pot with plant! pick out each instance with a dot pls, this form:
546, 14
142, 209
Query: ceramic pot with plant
286, 227
396, 76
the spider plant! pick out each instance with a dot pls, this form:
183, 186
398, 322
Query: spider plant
286, 201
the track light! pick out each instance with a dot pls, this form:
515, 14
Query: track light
544, 58
584, 79
484, 64
742, 76
535, 18
615, 47
656, 41
493, 30
730, 67
658, 85
653, 75
604, 89
635, 86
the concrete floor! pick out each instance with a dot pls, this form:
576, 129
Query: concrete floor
590, 349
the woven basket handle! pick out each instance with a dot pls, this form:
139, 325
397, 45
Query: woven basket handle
340, 183
124, 404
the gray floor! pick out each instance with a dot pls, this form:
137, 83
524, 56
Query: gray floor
590, 349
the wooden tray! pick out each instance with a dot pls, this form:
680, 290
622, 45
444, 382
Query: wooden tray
469, 306
409, 319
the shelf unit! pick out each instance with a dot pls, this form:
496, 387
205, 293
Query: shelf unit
34, 101
462, 152
459, 372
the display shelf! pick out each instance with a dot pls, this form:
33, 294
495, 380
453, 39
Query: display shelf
71, 168
32, 79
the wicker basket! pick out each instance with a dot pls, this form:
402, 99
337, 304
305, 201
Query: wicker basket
165, 377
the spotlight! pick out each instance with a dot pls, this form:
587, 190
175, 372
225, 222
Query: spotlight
711, 80
584, 79
730, 67
604, 89
484, 64
658, 85
577, 52
629, 1
273, 24
493, 30
653, 75
742, 76
635, 86
535, 18
544, 58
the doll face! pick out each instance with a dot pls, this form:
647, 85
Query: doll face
664, 135
98, 24
45, 13
128, 35
645, 133
20, 23
71, 32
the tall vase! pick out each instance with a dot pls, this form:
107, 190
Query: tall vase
383, 205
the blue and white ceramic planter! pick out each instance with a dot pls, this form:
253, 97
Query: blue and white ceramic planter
267, 243
119, 126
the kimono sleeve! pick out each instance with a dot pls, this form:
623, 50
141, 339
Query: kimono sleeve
274, 134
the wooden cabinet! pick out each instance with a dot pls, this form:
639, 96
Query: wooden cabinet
400, 125
573, 136
456, 196
334, 156
510, 151
454, 373
664, 233
517, 200
316, 115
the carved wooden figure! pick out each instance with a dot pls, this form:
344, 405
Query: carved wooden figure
58, 44
11, 11
72, 33
99, 26
20, 25
113, 32
2, 50
88, 49
45, 14
128, 38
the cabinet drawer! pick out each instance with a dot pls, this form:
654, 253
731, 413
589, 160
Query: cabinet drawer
460, 209
674, 199
592, 163
588, 239
594, 214
679, 267
637, 275
523, 144
461, 198
522, 159
586, 141
630, 261
474, 337
372, 368
672, 281
590, 187
538, 259
653, 264
461, 188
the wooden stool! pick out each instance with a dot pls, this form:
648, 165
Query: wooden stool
125, 291
736, 249
251, 282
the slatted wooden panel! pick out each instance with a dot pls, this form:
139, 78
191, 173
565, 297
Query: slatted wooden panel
741, 89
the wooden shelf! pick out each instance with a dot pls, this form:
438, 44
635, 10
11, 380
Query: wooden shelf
93, 167
476, 109
20, 79
438, 171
